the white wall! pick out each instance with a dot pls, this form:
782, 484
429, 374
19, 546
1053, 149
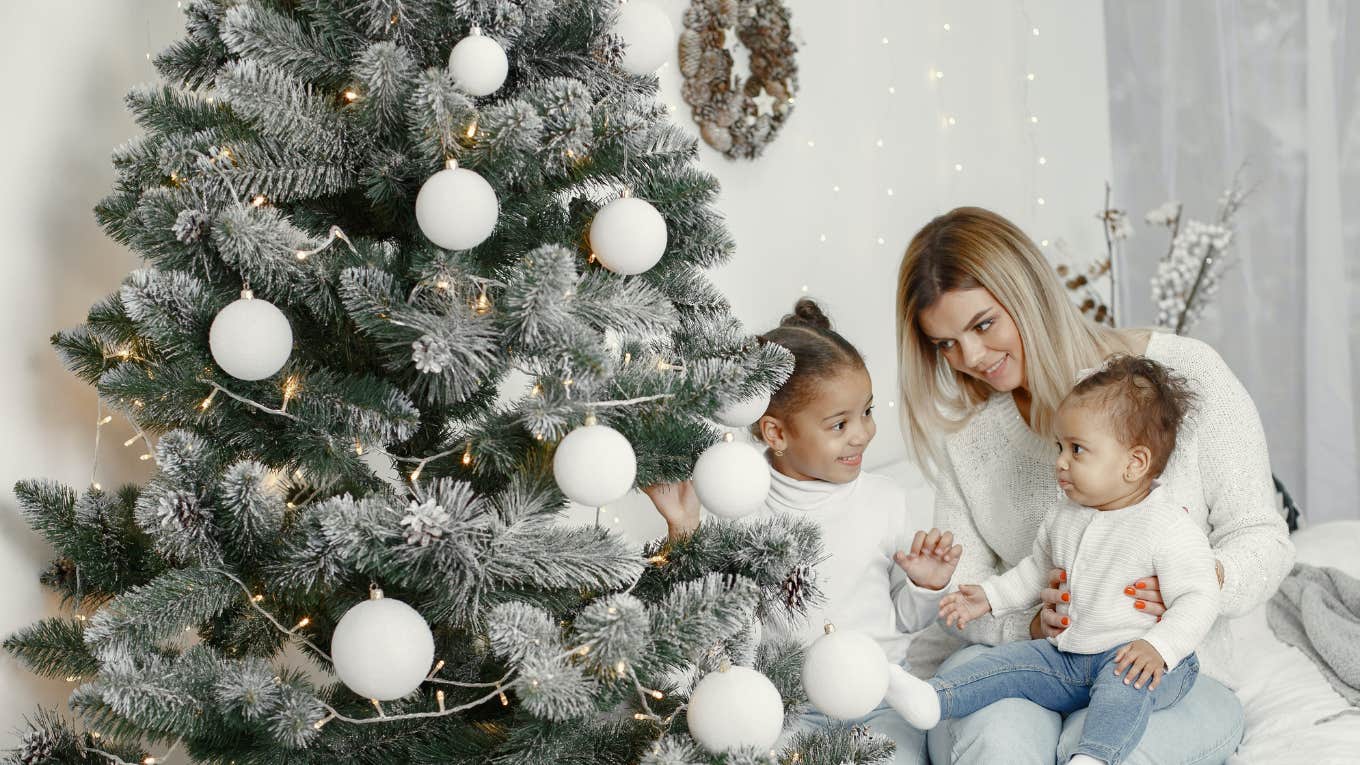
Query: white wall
67, 117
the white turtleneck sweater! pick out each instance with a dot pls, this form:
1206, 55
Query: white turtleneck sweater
997, 483
1102, 552
862, 523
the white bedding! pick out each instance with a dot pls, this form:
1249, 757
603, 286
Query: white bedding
1293, 715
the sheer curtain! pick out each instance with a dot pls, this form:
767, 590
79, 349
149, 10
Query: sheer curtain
1198, 89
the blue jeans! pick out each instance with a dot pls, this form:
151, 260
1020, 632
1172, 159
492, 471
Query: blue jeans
883, 721
1065, 682
1205, 727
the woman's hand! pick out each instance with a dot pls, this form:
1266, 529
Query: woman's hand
678, 504
932, 559
1049, 622
1147, 596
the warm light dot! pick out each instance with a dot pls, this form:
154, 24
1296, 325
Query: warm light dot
880, 240
822, 238
891, 90
351, 96
639, 716
415, 474
301, 254
303, 623
1043, 160
805, 288
441, 284
811, 144
890, 192
96, 486
885, 41
879, 143
144, 457
472, 130
890, 404
1034, 119
621, 667
148, 57
260, 200
1030, 76
939, 75
257, 598
107, 419
1040, 200
1035, 31
836, 189
951, 120
1043, 243
946, 27
658, 695
958, 167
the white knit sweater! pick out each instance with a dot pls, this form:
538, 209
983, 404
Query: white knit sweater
996, 484
862, 524
1102, 552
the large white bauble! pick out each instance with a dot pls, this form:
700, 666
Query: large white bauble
647, 35
845, 674
731, 479
250, 339
735, 708
457, 209
741, 414
628, 236
382, 649
478, 64
595, 465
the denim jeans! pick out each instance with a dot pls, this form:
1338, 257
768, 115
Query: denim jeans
883, 721
1117, 713
1204, 728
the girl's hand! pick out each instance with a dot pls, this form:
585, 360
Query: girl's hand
959, 608
1052, 618
1147, 596
932, 559
678, 504
1143, 664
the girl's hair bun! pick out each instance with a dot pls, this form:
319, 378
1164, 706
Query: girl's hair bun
806, 313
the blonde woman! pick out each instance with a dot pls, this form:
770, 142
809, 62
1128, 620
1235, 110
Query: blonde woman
988, 345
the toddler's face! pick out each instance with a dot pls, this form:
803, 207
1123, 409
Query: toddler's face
827, 437
1091, 462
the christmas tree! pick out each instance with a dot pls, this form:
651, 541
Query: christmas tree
399, 254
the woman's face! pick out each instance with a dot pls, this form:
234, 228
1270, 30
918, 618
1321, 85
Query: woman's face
977, 336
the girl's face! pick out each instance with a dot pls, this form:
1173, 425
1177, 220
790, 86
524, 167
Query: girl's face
825, 439
977, 336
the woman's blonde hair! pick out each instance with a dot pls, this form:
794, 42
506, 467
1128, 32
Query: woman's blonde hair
970, 248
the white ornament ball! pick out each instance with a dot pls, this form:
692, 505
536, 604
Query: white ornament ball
382, 649
457, 209
647, 35
250, 339
735, 708
732, 479
595, 465
845, 674
628, 236
478, 65
744, 413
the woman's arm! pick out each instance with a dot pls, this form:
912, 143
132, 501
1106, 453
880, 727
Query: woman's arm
1249, 537
978, 563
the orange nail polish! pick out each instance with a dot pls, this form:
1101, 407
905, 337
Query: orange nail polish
1066, 597
1062, 576
1130, 591
1139, 604
1064, 621
1140, 585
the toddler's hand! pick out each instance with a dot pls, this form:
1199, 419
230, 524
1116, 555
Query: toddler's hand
932, 559
1143, 663
959, 608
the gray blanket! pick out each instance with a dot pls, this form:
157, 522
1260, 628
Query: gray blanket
1318, 611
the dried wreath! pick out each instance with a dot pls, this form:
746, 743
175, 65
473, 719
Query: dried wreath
738, 118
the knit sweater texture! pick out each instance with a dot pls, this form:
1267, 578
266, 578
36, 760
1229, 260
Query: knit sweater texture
996, 483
